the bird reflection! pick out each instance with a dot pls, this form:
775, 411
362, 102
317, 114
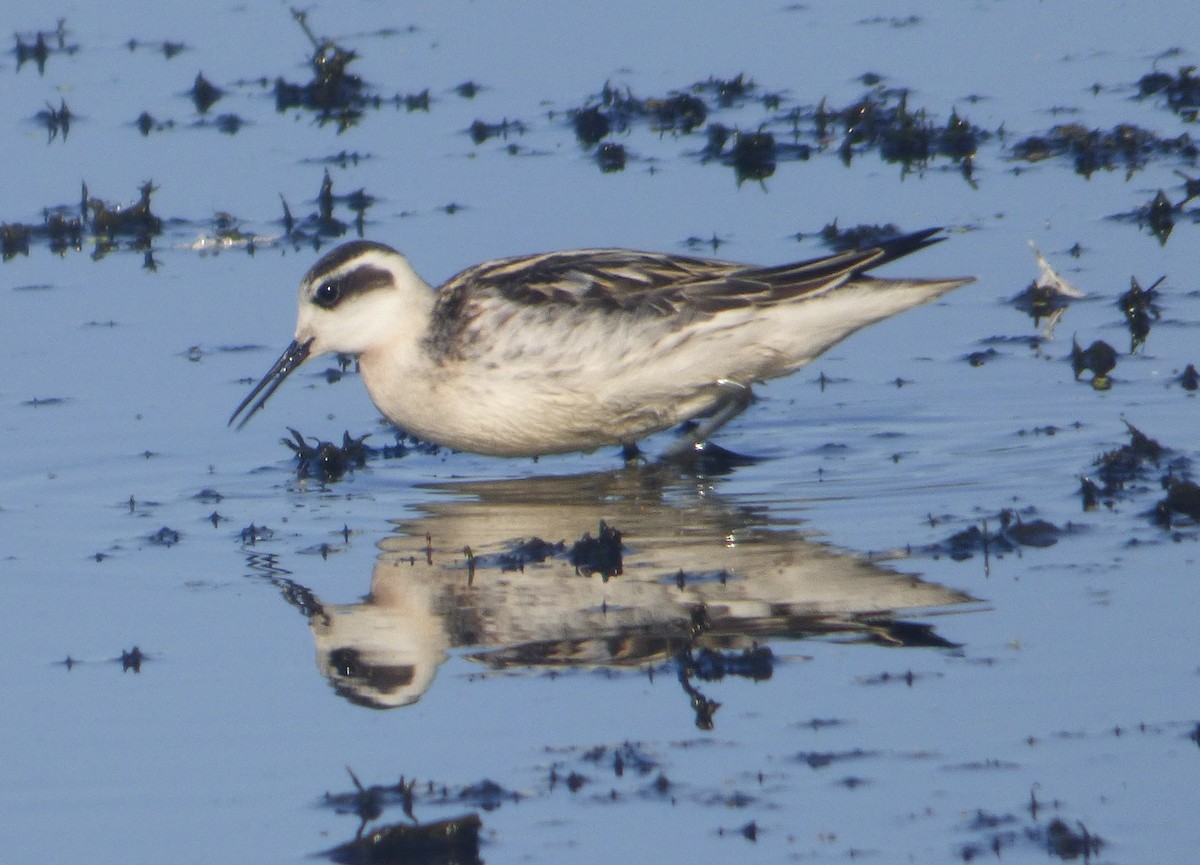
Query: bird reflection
705, 582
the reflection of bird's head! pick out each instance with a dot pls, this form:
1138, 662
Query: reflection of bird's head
384, 652
468, 569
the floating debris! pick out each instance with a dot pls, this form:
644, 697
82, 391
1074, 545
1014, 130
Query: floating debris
334, 94
611, 157
1049, 278
146, 123
1048, 295
679, 113
326, 461
617, 110
1056, 838
1099, 357
481, 131
979, 358
963, 545
1131, 463
713, 243
823, 759
204, 94
227, 124
252, 535
729, 92
534, 551
135, 220
1159, 217
1183, 497
468, 90
444, 841
1125, 146
56, 120
753, 156
42, 45
14, 240
167, 47
165, 537
601, 554
324, 224
591, 125
748, 831
416, 101
228, 234
1035, 533
856, 237
132, 660
1013, 532
882, 120
756, 663
627, 756
486, 795
1139, 306
1191, 188
1067, 844
1181, 91
702, 706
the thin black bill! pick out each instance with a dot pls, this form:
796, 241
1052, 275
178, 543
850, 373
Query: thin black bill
294, 355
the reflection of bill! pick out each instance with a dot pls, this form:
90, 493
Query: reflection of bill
704, 582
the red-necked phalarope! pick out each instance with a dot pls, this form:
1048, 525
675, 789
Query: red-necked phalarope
571, 351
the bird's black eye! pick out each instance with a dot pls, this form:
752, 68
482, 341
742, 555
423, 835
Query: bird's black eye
327, 295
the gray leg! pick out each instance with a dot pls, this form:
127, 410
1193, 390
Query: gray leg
733, 399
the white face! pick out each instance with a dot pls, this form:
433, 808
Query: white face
351, 299
357, 297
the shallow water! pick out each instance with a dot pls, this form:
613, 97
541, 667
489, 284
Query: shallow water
912, 706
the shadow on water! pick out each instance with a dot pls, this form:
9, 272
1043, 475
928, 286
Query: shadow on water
698, 586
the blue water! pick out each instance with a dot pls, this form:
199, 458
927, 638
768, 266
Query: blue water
1074, 683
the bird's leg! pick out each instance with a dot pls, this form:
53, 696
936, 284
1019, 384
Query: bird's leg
733, 398
630, 452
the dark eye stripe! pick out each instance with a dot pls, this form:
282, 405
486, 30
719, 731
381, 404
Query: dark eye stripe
332, 292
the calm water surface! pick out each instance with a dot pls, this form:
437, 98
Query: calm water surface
913, 707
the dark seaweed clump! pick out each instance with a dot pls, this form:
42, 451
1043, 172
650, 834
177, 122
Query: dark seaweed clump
1140, 305
856, 236
1126, 146
1136, 467
107, 225
1057, 838
323, 224
443, 841
738, 124
880, 121
1099, 358
1006, 532
1181, 91
532, 551
42, 45
334, 94
600, 554
328, 462
1122, 467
